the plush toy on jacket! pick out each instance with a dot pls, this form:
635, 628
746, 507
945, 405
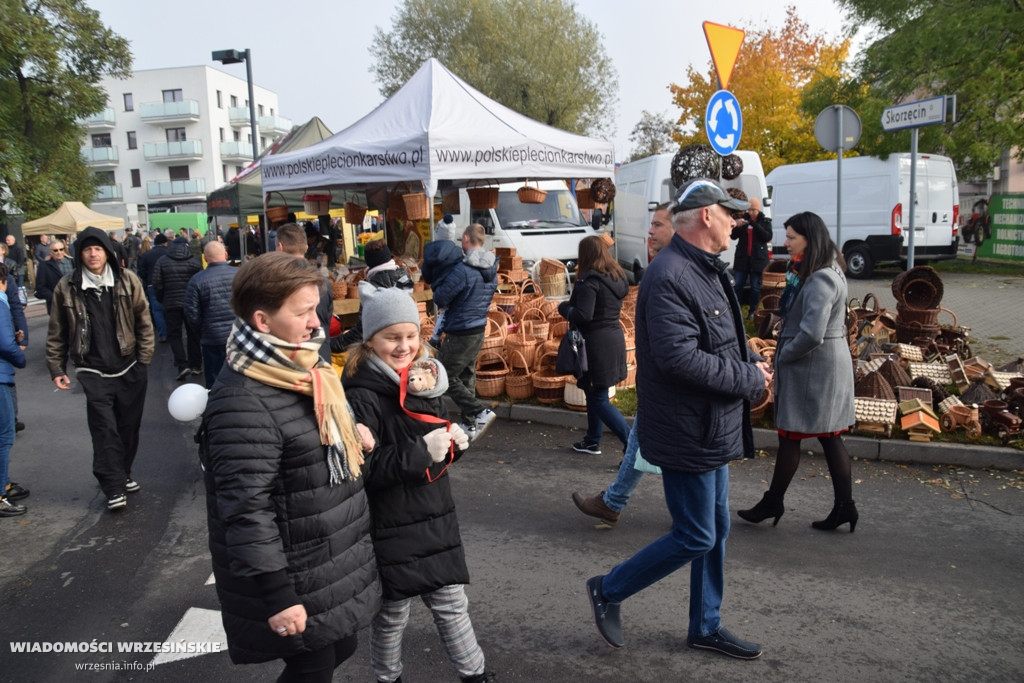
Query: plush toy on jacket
422, 376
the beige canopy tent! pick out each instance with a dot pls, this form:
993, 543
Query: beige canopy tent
71, 217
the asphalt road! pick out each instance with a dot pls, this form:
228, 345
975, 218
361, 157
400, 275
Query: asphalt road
928, 588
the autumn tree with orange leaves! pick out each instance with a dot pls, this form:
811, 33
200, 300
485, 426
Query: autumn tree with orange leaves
773, 69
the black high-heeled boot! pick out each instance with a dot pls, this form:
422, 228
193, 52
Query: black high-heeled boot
842, 512
769, 506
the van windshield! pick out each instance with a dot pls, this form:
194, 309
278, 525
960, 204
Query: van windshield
559, 208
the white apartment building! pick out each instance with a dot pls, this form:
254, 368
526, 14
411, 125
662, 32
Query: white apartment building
170, 136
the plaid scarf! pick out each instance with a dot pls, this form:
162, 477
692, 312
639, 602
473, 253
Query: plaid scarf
299, 368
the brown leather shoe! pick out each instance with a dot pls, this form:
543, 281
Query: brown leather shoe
595, 507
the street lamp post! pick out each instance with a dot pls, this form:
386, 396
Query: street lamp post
234, 57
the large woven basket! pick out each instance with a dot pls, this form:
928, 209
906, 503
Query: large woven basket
531, 194
277, 214
506, 295
919, 287
774, 274
530, 296
521, 349
573, 396
354, 213
583, 198
417, 206
539, 325
519, 382
494, 336
491, 371
482, 197
548, 385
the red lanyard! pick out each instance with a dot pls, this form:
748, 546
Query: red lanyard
403, 391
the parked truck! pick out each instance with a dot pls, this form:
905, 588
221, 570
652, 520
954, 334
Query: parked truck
876, 207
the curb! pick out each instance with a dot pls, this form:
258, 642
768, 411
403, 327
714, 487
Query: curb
860, 447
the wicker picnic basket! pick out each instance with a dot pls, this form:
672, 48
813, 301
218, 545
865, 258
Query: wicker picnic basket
494, 336
339, 288
774, 275
573, 396
583, 198
531, 194
539, 325
491, 371
519, 381
521, 348
354, 213
417, 205
277, 214
481, 196
507, 294
528, 300
548, 385
919, 287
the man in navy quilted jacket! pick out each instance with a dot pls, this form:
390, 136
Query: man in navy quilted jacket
208, 308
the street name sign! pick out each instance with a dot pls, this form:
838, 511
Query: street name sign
914, 114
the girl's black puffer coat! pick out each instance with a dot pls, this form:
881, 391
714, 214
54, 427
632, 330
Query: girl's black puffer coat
415, 530
280, 533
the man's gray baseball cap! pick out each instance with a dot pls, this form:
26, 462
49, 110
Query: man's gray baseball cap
701, 192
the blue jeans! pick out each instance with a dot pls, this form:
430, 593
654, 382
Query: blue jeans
600, 410
628, 477
755, 287
699, 505
214, 356
6, 433
157, 311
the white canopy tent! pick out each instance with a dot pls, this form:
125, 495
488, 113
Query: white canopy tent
437, 127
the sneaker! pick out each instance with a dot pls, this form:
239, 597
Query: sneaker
9, 509
596, 507
15, 491
117, 502
483, 422
585, 446
182, 373
726, 643
606, 614
196, 371
131, 486
485, 677
470, 430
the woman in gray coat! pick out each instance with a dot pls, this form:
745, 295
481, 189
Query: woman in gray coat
813, 370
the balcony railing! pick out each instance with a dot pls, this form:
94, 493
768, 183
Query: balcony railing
108, 193
186, 110
104, 119
234, 150
238, 116
176, 188
100, 156
275, 126
173, 151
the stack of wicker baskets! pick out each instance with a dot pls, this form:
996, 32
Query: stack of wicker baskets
510, 265
918, 293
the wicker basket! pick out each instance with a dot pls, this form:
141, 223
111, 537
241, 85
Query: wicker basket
760, 407
277, 214
494, 336
559, 327
507, 263
504, 252
417, 205
919, 287
317, 204
583, 198
396, 207
340, 289
519, 382
539, 325
528, 299
531, 194
491, 371
482, 197
774, 274
521, 349
450, 202
507, 294
354, 213
548, 385
630, 381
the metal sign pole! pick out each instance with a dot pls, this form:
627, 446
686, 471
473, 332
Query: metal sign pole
913, 195
839, 174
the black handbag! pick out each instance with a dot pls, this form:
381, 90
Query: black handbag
572, 355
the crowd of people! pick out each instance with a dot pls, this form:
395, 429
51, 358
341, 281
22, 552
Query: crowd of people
328, 497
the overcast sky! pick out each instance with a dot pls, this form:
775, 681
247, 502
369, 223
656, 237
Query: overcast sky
317, 56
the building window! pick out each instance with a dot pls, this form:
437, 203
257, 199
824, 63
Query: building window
263, 142
101, 140
259, 108
172, 95
178, 172
249, 138
105, 177
224, 172
129, 103
271, 111
175, 135
136, 178
221, 134
132, 142
220, 100
234, 101
238, 170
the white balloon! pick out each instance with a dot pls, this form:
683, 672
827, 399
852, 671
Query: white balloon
187, 402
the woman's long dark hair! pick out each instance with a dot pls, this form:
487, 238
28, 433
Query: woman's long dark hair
821, 251
594, 255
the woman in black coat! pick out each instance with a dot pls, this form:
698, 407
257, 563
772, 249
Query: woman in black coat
288, 517
594, 309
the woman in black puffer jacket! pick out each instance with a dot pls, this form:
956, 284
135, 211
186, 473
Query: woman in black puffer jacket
594, 309
288, 518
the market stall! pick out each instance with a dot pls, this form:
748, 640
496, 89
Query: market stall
70, 218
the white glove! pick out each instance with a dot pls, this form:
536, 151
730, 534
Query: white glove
459, 436
438, 443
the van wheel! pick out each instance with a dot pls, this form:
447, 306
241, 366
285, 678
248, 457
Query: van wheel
859, 263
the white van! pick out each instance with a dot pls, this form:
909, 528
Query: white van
876, 207
552, 229
640, 186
